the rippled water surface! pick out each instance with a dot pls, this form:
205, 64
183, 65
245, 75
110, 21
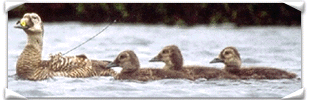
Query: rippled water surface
278, 47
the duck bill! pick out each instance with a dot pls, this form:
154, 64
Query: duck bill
155, 59
112, 65
21, 24
217, 60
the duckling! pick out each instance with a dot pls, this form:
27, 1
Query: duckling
131, 69
30, 66
172, 57
231, 58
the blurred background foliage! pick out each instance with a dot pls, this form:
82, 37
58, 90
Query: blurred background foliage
165, 13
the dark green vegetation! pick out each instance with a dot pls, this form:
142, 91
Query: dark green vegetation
167, 13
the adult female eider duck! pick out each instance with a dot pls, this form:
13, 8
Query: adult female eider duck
30, 66
231, 58
131, 69
172, 57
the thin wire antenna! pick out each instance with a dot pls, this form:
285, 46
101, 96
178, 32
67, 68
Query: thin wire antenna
90, 38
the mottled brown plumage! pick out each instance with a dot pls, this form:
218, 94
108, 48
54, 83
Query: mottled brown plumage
30, 66
131, 69
172, 57
231, 58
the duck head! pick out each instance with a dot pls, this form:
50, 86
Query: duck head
31, 23
230, 57
127, 60
171, 56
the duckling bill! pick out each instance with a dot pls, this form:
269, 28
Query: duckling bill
217, 60
232, 61
155, 59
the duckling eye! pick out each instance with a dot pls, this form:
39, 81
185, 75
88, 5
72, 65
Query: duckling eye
122, 57
164, 51
227, 52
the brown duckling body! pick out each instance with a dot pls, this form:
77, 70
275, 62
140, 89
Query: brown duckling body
30, 66
131, 69
172, 57
231, 58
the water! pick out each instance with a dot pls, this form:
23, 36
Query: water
278, 47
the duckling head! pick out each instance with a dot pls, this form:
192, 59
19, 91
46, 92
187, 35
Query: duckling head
171, 56
31, 23
230, 57
127, 60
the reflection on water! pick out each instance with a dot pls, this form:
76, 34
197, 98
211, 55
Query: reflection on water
278, 47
